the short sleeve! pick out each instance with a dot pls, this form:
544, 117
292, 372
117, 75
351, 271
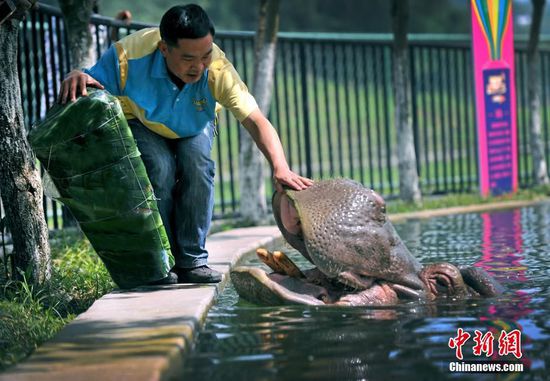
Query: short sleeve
227, 87
106, 71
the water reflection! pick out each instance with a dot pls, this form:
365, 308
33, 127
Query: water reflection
409, 341
502, 246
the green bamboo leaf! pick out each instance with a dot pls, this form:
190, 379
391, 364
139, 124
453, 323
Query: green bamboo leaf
91, 157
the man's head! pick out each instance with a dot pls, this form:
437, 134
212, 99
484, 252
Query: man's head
187, 34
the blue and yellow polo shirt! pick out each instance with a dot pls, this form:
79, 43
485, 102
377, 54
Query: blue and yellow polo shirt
133, 69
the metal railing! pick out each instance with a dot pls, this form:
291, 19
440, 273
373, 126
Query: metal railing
332, 104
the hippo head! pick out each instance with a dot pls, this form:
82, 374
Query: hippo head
342, 228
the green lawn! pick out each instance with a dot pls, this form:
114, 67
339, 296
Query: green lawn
30, 315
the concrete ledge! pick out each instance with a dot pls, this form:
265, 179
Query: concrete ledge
140, 334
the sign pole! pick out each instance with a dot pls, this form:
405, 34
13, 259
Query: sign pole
495, 94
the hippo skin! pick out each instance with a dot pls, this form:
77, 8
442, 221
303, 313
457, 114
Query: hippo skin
342, 228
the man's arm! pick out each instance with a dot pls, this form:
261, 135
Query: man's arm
268, 142
103, 75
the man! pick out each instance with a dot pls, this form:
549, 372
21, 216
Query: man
168, 81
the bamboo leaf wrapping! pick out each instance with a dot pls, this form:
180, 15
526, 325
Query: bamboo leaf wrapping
90, 154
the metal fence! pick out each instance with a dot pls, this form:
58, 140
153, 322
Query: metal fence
332, 105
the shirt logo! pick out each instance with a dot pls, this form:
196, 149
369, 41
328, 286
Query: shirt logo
199, 104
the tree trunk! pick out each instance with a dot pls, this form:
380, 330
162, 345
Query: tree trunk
408, 176
76, 14
534, 94
253, 205
20, 184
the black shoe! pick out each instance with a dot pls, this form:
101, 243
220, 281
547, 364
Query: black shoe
201, 274
171, 278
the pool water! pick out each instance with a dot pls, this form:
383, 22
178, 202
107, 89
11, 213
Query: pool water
410, 341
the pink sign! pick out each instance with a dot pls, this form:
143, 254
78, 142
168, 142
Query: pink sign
494, 77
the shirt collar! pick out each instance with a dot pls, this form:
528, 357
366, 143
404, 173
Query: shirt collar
159, 66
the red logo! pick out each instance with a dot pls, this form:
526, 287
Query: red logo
458, 341
484, 343
508, 343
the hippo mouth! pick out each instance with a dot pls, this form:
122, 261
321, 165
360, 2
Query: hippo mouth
289, 216
289, 222
287, 284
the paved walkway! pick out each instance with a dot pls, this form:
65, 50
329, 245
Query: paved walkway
141, 334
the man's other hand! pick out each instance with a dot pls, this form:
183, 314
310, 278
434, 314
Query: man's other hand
74, 85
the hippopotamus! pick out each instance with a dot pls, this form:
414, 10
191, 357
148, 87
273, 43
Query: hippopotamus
342, 228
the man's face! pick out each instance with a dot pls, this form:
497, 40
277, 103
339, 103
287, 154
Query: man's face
189, 58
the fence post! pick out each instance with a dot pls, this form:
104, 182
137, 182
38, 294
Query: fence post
414, 106
305, 109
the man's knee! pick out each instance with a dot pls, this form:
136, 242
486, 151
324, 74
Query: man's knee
194, 161
156, 155
162, 173
197, 170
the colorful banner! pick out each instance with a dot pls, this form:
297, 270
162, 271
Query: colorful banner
494, 77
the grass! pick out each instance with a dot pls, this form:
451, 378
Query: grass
30, 315
466, 199
24, 324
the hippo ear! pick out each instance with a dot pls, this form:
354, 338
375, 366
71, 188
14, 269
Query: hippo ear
481, 282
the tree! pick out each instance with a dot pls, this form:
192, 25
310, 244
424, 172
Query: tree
540, 172
408, 176
76, 14
253, 205
20, 183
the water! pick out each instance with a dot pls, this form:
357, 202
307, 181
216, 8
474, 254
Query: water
410, 341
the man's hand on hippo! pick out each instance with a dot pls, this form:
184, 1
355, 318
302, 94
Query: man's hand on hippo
285, 177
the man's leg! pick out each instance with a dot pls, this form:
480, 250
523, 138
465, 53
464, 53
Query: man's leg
194, 201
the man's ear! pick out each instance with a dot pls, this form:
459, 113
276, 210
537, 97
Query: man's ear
163, 47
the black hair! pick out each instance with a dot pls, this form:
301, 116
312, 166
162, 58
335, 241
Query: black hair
185, 21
